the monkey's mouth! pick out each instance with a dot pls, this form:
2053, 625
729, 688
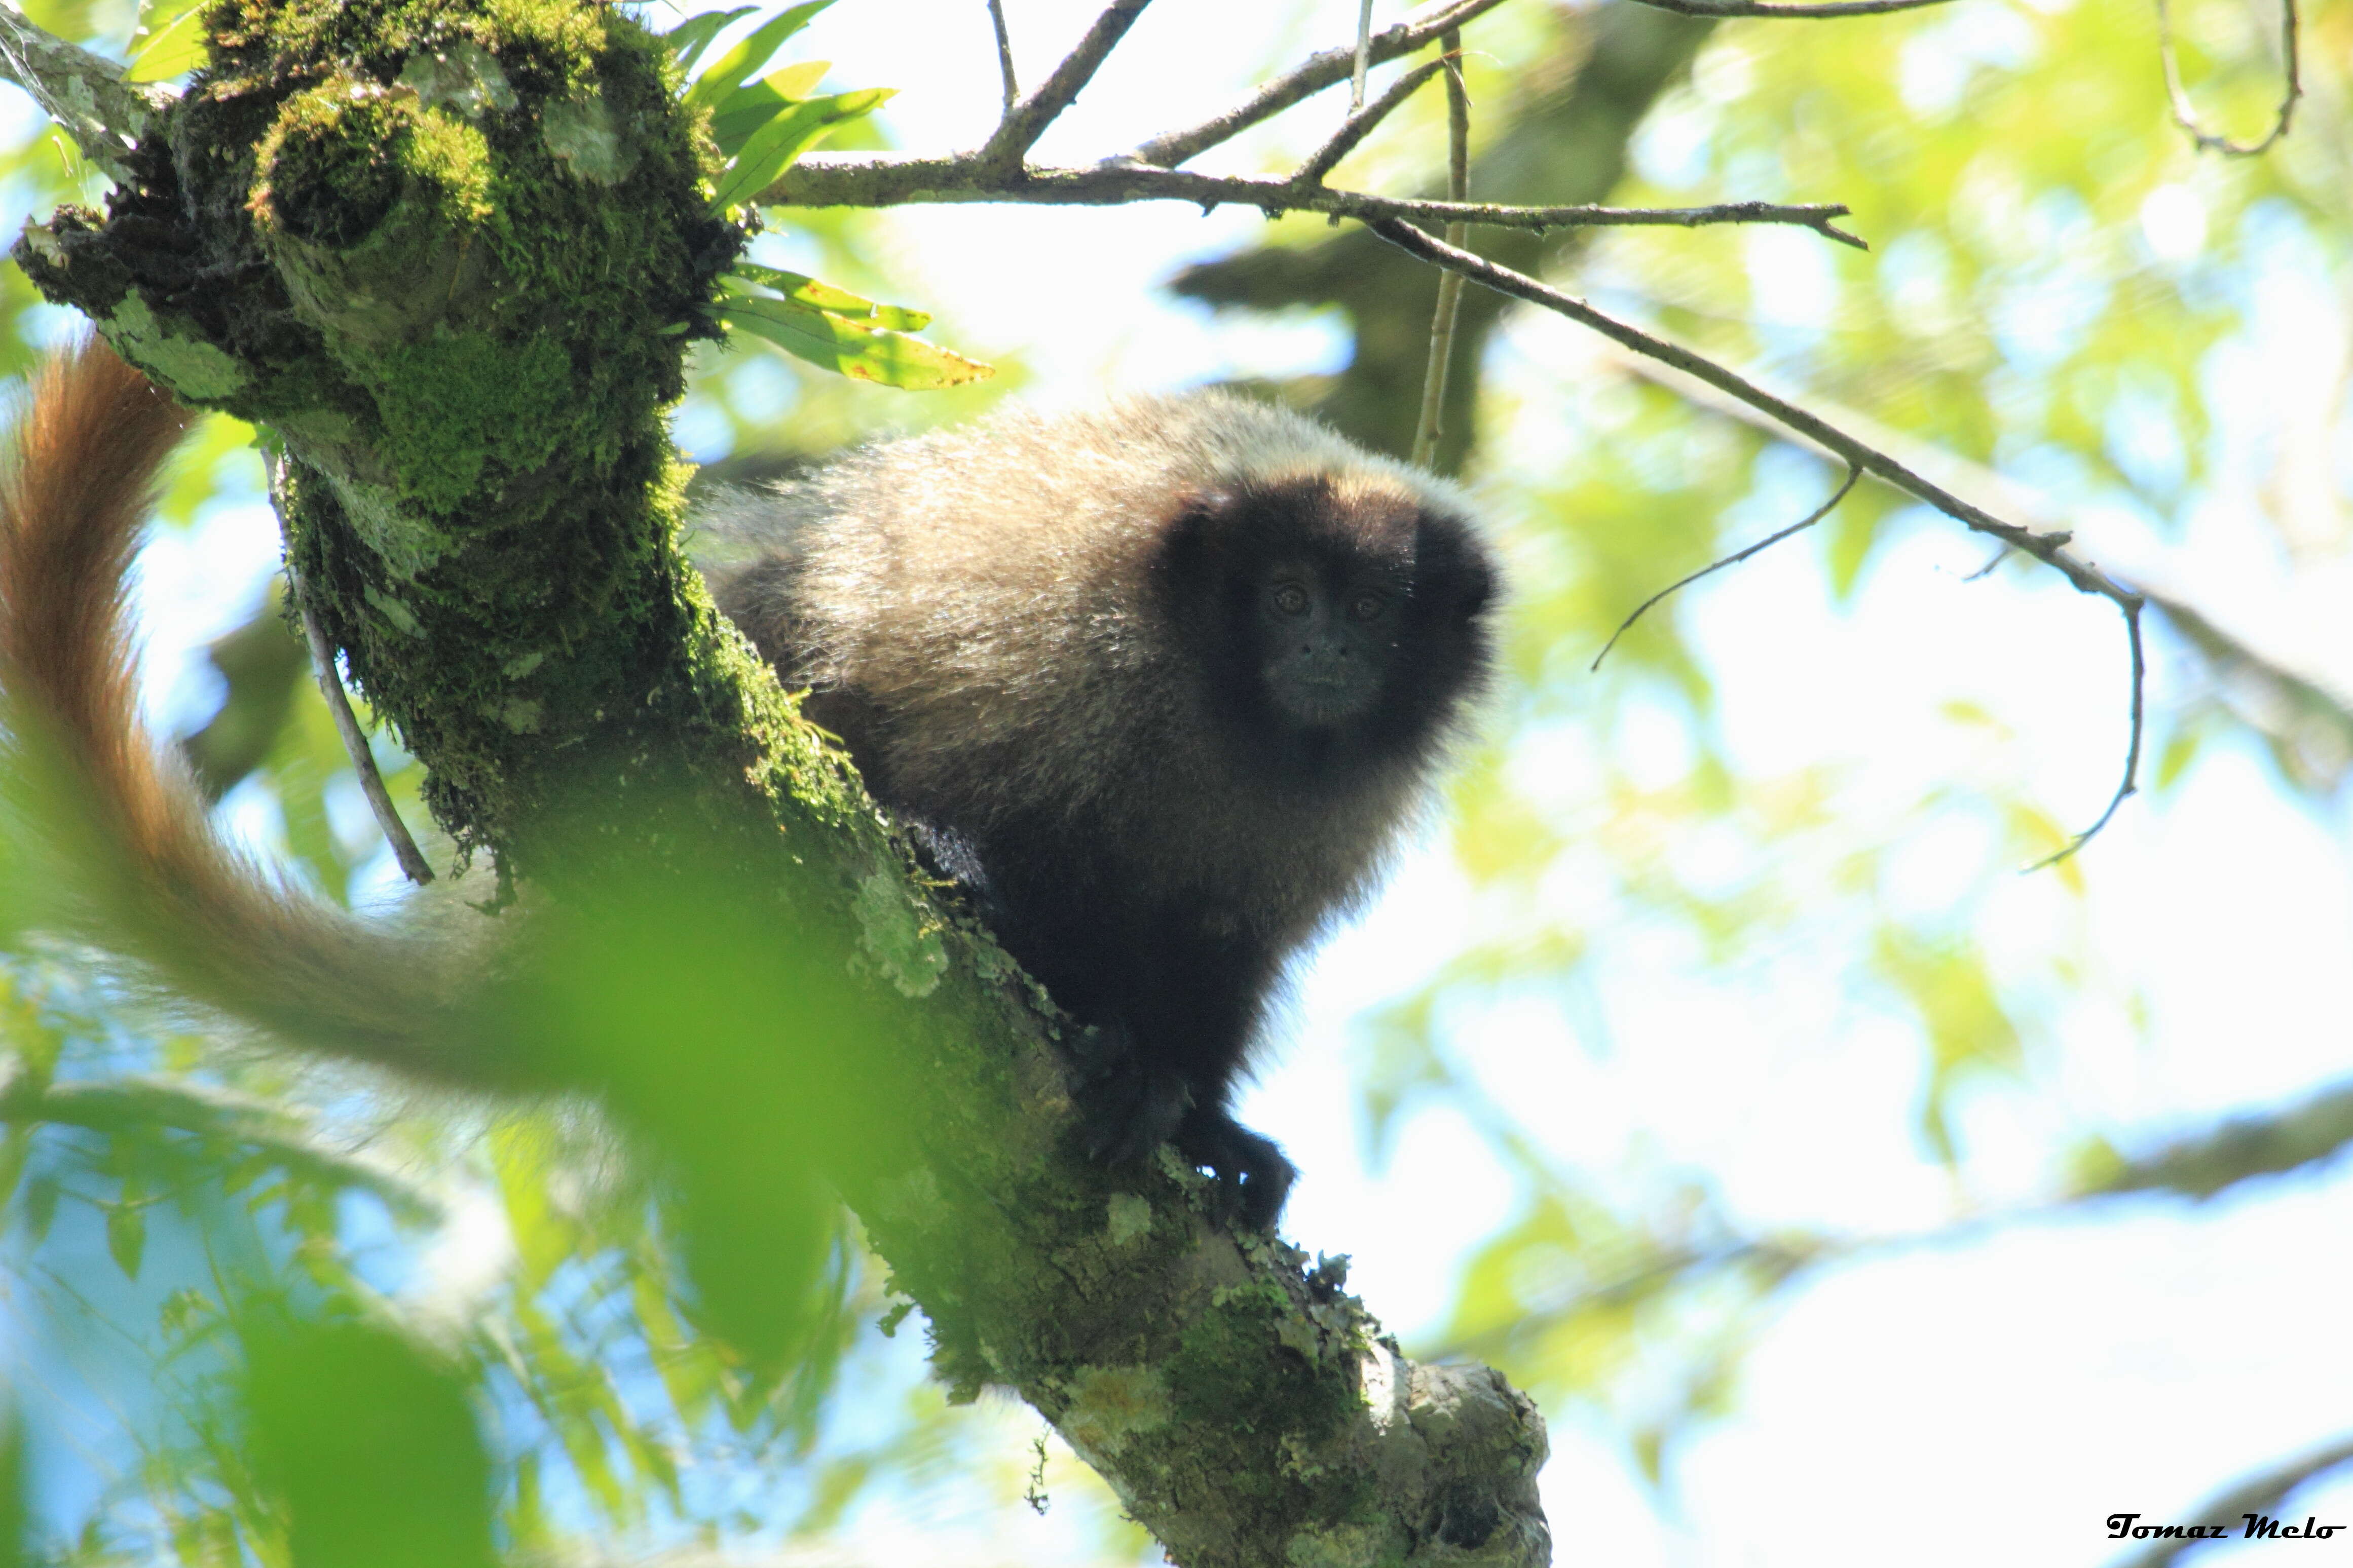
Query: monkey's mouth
1322, 699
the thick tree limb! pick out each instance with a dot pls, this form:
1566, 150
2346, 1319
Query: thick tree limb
83, 92
2238, 1150
484, 511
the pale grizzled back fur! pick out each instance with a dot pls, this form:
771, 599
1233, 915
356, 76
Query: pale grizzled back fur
975, 610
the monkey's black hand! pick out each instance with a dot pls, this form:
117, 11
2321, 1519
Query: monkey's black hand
1252, 1175
1126, 1110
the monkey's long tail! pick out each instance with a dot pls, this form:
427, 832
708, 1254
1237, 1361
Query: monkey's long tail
131, 860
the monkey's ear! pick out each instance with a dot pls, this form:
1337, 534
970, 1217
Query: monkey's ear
1198, 533
1199, 506
1452, 574
1478, 590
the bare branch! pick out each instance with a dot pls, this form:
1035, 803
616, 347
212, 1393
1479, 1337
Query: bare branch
1364, 55
1361, 123
1004, 54
1769, 8
413, 864
871, 180
1021, 127
2238, 1150
2047, 547
2308, 725
1450, 284
412, 860
1820, 512
2186, 116
2130, 784
1317, 73
83, 92
2256, 1496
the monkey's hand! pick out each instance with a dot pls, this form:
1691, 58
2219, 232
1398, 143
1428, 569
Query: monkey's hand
1126, 1108
1254, 1176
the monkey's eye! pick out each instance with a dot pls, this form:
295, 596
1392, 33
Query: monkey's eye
1291, 599
1368, 606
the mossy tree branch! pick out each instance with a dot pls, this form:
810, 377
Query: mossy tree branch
452, 255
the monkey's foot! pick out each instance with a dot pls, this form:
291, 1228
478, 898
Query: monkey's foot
1254, 1176
1126, 1111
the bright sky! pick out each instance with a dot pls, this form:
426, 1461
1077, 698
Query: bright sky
1992, 1399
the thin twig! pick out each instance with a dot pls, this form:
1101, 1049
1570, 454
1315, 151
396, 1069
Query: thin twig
2049, 549
1021, 127
1853, 472
331, 687
413, 863
883, 180
1360, 124
2130, 787
1004, 54
1450, 284
1769, 8
2310, 725
1313, 75
1364, 55
2001, 554
2186, 115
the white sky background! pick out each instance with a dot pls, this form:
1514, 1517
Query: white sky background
1990, 1400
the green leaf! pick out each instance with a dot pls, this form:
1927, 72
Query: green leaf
770, 151
159, 53
860, 353
692, 36
728, 71
126, 1236
40, 1208
811, 294
371, 1444
756, 103
2180, 750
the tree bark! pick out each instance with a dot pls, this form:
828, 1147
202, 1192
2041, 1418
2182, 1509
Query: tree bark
452, 255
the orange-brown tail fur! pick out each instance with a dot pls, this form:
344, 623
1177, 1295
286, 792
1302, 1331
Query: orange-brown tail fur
152, 881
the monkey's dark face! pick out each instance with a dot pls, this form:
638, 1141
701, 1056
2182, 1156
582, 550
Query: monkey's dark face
1326, 633
1336, 628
